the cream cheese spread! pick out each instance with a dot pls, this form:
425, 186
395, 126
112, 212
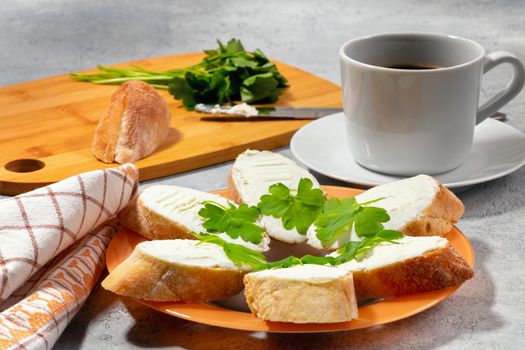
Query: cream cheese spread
308, 273
387, 253
187, 252
182, 205
239, 109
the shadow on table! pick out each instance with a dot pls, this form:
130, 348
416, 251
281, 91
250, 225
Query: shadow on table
98, 302
468, 311
325, 180
174, 137
495, 197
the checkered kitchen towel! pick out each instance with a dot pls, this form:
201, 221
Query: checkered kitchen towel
52, 246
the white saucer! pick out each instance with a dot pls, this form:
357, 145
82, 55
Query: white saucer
498, 150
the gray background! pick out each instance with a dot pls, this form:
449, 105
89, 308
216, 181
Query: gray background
44, 38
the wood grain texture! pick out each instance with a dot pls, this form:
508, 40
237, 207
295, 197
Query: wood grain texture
53, 120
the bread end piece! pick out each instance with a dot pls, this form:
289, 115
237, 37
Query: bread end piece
432, 271
135, 123
145, 277
295, 301
437, 220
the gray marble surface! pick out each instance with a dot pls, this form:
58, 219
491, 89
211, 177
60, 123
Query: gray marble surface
40, 38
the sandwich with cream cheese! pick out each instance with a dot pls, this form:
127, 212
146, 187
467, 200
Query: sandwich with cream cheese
417, 206
253, 173
413, 265
176, 270
171, 212
301, 294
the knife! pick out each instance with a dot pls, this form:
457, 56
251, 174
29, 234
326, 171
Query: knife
283, 113
266, 113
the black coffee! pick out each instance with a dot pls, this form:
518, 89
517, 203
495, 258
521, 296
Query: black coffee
413, 66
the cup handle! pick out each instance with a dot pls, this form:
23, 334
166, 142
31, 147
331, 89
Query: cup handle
513, 88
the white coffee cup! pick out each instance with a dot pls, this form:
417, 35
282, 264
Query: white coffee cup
405, 121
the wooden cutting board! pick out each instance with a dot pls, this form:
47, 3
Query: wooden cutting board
47, 126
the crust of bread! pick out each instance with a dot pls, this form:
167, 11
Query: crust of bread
151, 225
437, 220
146, 277
135, 123
435, 270
232, 188
281, 300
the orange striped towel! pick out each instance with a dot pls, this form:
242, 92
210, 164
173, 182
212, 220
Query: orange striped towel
52, 246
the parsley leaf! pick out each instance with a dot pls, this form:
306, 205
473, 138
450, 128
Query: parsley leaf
182, 90
340, 215
358, 249
318, 260
296, 211
337, 216
238, 254
233, 45
241, 255
389, 235
369, 221
234, 221
260, 87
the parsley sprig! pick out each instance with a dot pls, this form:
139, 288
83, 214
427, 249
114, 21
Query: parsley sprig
238, 254
349, 251
296, 211
242, 256
227, 73
235, 221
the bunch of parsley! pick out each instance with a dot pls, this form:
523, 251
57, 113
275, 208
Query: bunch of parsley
227, 73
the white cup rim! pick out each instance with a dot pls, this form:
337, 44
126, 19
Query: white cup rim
344, 56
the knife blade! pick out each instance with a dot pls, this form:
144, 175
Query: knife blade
266, 113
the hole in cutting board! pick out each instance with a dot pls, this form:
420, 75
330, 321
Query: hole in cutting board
24, 165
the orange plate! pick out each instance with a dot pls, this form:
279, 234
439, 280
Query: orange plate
370, 315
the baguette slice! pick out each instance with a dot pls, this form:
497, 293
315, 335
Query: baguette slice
136, 122
171, 212
415, 265
253, 173
176, 270
301, 294
418, 206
